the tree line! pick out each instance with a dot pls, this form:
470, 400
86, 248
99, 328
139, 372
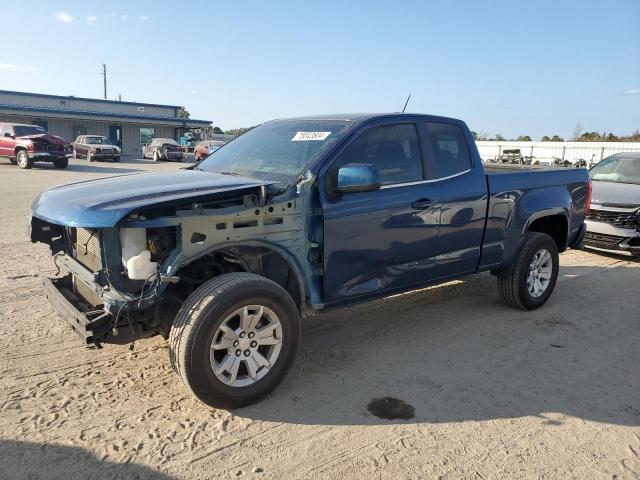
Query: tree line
578, 136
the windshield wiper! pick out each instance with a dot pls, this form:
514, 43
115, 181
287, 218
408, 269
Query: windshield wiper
230, 173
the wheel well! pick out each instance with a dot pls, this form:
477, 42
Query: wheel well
18, 149
262, 261
555, 226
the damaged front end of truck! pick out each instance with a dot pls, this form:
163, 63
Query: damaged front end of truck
127, 263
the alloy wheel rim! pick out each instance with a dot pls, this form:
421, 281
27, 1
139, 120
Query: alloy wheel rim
21, 160
540, 272
246, 345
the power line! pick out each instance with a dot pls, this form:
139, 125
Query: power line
104, 74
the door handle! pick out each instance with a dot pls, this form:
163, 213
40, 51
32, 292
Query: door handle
423, 204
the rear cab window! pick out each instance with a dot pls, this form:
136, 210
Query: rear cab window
393, 149
449, 149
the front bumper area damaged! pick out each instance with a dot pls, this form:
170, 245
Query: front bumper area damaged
96, 325
91, 325
115, 318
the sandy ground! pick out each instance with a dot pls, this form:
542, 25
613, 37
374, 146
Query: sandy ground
497, 393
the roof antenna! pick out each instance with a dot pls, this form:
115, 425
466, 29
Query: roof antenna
406, 103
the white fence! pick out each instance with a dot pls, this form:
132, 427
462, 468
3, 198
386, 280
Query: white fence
546, 152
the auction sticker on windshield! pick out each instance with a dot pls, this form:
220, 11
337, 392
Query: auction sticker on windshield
310, 136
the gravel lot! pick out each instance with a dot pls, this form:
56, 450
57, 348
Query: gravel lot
497, 393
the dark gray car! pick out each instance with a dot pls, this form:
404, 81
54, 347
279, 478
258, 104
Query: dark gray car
613, 223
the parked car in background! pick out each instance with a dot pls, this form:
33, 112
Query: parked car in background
207, 147
613, 223
25, 144
95, 147
294, 216
163, 149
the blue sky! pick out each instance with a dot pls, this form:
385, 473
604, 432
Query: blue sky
503, 66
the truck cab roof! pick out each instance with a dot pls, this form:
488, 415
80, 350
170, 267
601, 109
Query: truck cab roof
361, 118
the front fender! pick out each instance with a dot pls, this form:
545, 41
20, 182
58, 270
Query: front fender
292, 261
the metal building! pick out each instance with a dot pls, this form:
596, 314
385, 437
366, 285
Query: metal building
128, 124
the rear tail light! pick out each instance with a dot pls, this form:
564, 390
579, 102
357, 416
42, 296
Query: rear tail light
587, 205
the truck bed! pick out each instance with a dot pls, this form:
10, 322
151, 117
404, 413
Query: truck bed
527, 178
510, 168
519, 193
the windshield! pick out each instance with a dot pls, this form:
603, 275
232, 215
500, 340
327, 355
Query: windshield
24, 130
279, 150
617, 168
96, 140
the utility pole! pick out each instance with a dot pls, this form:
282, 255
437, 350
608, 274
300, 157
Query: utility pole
104, 74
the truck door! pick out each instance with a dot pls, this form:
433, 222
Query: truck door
464, 198
385, 239
6, 142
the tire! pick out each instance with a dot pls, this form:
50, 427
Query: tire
156, 156
196, 328
61, 163
116, 159
513, 283
74, 154
89, 156
23, 160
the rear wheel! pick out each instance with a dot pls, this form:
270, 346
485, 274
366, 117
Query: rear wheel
61, 163
23, 160
529, 282
234, 339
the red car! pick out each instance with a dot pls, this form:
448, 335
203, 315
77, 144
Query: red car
25, 144
206, 147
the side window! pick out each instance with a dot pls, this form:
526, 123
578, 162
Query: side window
449, 148
393, 149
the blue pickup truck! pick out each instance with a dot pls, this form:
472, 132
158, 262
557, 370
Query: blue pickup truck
225, 257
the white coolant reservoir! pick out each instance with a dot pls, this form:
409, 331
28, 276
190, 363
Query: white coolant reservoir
136, 258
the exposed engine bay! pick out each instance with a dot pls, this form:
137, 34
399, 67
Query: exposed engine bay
130, 280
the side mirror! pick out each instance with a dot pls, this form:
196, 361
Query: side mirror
8, 135
357, 177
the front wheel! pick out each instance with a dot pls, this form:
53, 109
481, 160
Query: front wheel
156, 156
89, 156
23, 160
234, 338
529, 282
